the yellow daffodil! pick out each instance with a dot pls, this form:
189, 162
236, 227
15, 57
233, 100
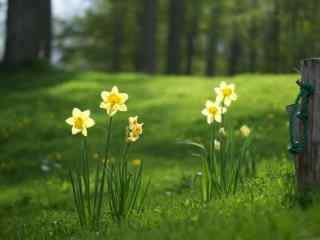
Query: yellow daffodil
135, 129
245, 131
80, 121
133, 121
217, 145
212, 111
226, 93
136, 162
113, 101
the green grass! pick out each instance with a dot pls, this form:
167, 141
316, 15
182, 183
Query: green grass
38, 205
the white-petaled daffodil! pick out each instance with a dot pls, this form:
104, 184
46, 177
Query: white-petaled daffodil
113, 101
226, 93
80, 121
212, 111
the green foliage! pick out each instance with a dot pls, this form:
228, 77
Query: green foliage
126, 189
242, 36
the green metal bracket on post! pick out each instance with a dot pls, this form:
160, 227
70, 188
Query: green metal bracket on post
298, 113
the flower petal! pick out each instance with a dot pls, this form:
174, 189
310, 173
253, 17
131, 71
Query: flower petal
124, 97
104, 95
218, 118
90, 123
76, 112
234, 97
86, 113
75, 130
227, 101
115, 90
223, 84
205, 112
84, 132
217, 90
70, 121
103, 105
122, 108
210, 119
209, 103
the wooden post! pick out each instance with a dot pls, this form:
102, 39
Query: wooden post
308, 162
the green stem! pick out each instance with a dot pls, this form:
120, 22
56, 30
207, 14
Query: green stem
86, 175
107, 151
124, 182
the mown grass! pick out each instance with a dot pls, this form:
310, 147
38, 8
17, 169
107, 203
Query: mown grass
38, 205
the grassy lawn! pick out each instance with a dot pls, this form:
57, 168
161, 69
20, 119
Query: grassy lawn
37, 204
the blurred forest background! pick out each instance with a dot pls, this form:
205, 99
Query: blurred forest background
209, 37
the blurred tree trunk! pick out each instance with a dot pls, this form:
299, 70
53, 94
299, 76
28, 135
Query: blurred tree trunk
253, 35
272, 44
176, 24
146, 48
194, 10
29, 34
212, 37
191, 44
235, 51
211, 53
118, 11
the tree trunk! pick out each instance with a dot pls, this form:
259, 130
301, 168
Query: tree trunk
146, 48
235, 51
272, 44
308, 163
176, 24
191, 43
212, 37
118, 36
28, 36
253, 34
211, 53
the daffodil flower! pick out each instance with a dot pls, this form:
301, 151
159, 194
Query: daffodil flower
114, 101
245, 131
80, 121
212, 111
135, 129
226, 93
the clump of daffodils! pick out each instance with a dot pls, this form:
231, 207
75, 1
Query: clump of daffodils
112, 177
225, 161
225, 95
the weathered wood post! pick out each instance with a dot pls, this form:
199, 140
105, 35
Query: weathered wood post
308, 159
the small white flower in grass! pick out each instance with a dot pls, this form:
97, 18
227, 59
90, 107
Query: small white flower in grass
217, 145
245, 131
222, 131
199, 174
45, 168
212, 111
